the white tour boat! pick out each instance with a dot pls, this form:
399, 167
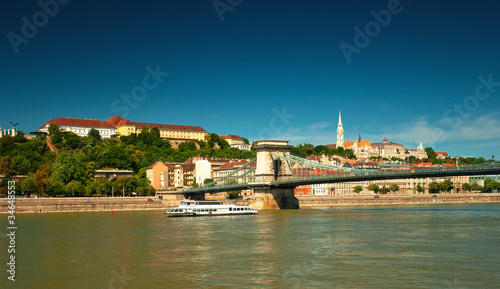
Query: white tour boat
208, 208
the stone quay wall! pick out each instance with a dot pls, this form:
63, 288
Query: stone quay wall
48, 205
369, 200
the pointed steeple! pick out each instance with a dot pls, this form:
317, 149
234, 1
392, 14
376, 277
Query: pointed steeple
340, 133
420, 147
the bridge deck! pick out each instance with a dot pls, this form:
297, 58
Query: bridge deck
486, 169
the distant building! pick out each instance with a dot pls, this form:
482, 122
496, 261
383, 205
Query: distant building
117, 126
233, 139
203, 171
406, 186
81, 127
365, 149
113, 174
172, 132
480, 179
236, 141
165, 176
442, 155
241, 146
11, 132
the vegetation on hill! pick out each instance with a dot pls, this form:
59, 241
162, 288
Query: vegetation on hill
305, 150
69, 171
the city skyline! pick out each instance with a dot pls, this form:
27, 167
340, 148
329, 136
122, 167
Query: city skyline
411, 71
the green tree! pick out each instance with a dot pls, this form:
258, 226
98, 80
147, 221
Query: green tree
357, 189
28, 186
72, 141
127, 185
394, 187
374, 187
476, 187
187, 146
74, 188
420, 189
434, 188
41, 176
21, 164
202, 144
446, 186
7, 145
213, 138
6, 166
69, 167
384, 190
94, 136
54, 187
144, 187
466, 187
491, 185
56, 136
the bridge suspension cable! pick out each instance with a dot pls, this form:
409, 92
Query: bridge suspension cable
315, 164
229, 178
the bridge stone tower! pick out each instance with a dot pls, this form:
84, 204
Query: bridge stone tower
268, 169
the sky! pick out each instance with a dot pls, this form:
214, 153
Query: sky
412, 71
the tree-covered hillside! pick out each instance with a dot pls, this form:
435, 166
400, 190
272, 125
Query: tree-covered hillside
68, 168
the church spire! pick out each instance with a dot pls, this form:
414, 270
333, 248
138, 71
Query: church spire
340, 133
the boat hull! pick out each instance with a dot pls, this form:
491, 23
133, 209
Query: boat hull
194, 208
209, 214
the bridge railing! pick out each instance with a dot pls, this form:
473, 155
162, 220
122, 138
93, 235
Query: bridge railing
402, 173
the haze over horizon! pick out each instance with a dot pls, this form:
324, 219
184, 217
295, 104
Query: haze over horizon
411, 71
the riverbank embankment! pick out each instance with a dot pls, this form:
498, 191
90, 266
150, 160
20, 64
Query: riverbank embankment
49, 205
372, 200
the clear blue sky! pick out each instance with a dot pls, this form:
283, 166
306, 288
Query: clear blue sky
262, 68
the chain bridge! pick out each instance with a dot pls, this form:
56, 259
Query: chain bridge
275, 173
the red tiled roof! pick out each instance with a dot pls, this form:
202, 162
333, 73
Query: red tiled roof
115, 120
233, 164
232, 136
60, 121
444, 154
161, 126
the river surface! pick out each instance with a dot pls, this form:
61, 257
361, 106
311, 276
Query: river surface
435, 246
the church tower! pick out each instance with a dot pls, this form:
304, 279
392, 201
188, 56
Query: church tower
340, 133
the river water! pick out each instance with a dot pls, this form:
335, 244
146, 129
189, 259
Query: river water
436, 246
